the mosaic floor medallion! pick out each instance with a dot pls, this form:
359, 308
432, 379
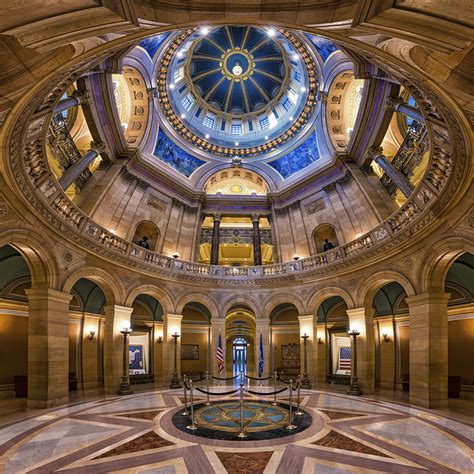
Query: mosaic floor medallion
262, 420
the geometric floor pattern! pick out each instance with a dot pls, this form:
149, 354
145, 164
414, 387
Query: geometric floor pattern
134, 434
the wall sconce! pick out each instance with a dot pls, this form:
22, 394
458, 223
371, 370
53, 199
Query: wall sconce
159, 340
296, 257
91, 334
175, 255
320, 341
385, 337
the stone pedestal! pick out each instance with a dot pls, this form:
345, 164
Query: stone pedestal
172, 325
362, 320
307, 327
429, 349
115, 317
48, 347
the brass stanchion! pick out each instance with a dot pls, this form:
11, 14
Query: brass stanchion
275, 375
185, 412
207, 388
192, 426
298, 412
290, 425
242, 428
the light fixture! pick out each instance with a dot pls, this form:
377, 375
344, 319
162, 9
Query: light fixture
91, 334
320, 341
385, 337
237, 69
295, 56
266, 137
171, 86
303, 89
179, 54
159, 340
183, 115
126, 328
296, 257
353, 332
207, 135
236, 143
205, 30
175, 255
112, 231
271, 32
291, 118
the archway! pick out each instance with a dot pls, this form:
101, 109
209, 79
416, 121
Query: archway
240, 325
15, 278
150, 230
334, 345
145, 340
86, 335
285, 340
392, 337
322, 232
459, 284
195, 340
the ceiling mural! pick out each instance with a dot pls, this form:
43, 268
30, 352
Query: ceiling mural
171, 154
298, 159
324, 47
152, 44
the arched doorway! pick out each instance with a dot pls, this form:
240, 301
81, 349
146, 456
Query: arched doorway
240, 327
285, 340
150, 230
334, 357
322, 232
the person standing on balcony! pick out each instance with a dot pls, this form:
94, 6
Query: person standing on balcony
327, 245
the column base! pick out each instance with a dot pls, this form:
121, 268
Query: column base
175, 381
354, 388
125, 387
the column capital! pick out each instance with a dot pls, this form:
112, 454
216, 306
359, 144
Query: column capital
82, 96
217, 216
98, 147
255, 217
374, 151
44, 293
438, 296
391, 103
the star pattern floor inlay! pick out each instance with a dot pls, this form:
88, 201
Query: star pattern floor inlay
135, 434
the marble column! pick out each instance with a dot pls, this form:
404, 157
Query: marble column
75, 170
263, 328
48, 347
217, 327
429, 349
257, 250
362, 320
116, 318
400, 180
307, 323
172, 325
399, 105
77, 98
215, 240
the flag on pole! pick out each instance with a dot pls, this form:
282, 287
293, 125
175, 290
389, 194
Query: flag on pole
260, 361
220, 357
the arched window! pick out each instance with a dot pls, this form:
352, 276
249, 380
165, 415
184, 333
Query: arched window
147, 229
322, 232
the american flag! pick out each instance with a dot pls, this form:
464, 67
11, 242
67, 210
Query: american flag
344, 358
220, 357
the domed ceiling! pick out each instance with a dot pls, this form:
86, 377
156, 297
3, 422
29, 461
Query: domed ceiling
237, 90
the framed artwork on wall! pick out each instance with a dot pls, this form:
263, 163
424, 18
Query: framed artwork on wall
135, 358
189, 352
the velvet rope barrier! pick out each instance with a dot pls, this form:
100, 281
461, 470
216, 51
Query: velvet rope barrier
229, 392
225, 378
267, 393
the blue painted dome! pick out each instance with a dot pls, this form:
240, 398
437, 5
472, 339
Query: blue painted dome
237, 90
237, 69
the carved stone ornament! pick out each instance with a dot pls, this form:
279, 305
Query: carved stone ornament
68, 258
3, 209
408, 263
315, 206
470, 219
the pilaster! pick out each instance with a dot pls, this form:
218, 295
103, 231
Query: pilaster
263, 328
116, 318
48, 347
217, 327
172, 325
429, 349
307, 327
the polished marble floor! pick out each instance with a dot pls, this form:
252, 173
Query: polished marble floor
135, 434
